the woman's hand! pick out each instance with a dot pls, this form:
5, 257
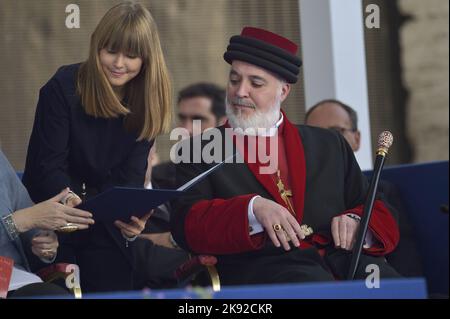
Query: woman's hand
51, 215
45, 245
135, 227
71, 200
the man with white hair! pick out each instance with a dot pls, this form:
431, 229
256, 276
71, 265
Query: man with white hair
297, 222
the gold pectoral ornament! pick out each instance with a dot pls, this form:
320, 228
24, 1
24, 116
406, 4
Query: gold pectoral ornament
285, 195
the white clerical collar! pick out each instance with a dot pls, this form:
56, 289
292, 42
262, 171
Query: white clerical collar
274, 129
261, 132
280, 121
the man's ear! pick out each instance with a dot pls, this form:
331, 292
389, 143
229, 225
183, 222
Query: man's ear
357, 140
285, 89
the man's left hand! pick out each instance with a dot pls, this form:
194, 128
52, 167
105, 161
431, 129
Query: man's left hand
343, 230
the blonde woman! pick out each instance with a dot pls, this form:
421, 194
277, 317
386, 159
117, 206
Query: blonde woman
94, 126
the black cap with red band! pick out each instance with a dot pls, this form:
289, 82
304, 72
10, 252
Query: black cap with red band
267, 50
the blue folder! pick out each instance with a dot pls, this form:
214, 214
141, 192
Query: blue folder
120, 203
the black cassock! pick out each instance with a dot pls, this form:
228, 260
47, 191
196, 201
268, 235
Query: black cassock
326, 181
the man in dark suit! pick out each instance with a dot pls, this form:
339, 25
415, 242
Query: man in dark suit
200, 106
158, 257
335, 115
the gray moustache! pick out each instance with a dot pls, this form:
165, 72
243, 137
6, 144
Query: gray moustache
243, 103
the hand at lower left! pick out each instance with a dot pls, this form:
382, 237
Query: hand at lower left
134, 227
45, 244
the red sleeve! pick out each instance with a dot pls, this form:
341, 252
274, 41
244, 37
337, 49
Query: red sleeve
220, 226
383, 226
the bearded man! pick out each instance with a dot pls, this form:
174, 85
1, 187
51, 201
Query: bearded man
294, 223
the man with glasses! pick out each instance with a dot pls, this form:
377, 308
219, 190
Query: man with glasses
333, 114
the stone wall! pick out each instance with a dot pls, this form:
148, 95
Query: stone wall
35, 42
194, 35
424, 56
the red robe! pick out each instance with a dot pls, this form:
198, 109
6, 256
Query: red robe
220, 226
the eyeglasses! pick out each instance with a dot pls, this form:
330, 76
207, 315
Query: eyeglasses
342, 130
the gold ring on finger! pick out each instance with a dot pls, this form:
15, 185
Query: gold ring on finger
68, 228
277, 227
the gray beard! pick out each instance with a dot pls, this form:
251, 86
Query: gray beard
254, 124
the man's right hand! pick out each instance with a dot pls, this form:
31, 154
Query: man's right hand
51, 215
269, 213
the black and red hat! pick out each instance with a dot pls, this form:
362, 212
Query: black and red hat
267, 50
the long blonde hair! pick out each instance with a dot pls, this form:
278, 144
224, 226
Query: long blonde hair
129, 27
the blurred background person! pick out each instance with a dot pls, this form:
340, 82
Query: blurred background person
204, 102
338, 116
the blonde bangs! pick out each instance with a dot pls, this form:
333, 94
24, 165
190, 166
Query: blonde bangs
128, 35
129, 28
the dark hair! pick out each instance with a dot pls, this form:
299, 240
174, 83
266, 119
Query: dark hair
351, 112
208, 90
